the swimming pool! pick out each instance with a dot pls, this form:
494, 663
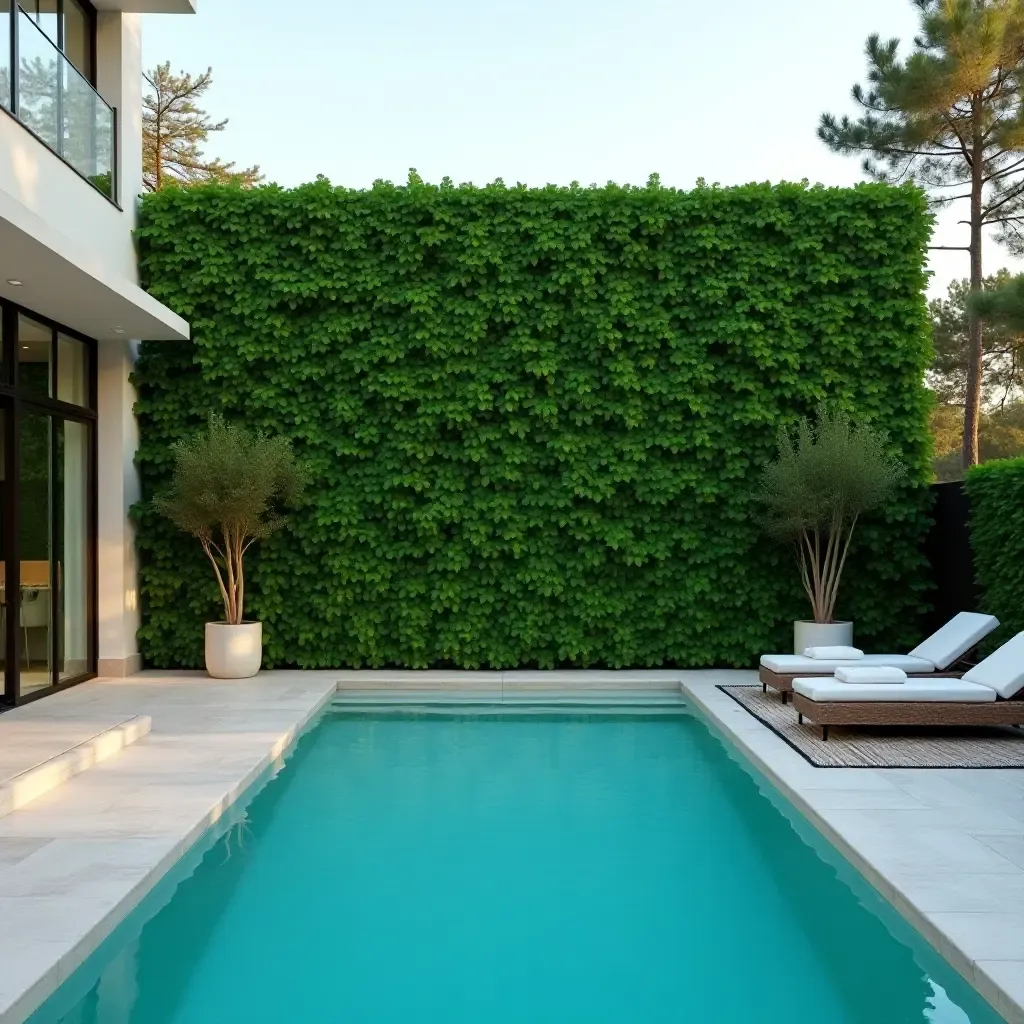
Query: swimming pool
512, 868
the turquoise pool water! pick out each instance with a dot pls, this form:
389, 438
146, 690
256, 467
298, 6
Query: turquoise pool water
449, 868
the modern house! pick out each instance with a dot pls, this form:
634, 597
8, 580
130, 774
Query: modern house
71, 310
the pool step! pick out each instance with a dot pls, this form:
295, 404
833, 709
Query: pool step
536, 699
20, 789
639, 688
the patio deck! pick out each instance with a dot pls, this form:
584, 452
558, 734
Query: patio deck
946, 847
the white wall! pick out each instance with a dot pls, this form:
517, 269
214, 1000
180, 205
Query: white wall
46, 186
119, 80
117, 604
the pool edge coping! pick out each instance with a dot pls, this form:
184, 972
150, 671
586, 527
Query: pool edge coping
21, 1006
770, 757
770, 763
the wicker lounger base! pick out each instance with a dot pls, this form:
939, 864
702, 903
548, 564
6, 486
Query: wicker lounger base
783, 682
927, 713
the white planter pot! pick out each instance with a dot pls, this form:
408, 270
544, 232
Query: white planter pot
234, 652
821, 634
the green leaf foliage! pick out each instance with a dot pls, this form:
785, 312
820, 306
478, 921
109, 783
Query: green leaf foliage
996, 492
535, 419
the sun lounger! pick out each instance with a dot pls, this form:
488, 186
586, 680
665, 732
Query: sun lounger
943, 649
988, 694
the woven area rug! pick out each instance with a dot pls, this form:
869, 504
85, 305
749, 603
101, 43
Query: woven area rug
903, 747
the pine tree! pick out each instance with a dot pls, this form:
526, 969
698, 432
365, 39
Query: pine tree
1002, 375
950, 117
174, 129
1001, 306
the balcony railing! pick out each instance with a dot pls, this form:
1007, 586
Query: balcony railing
59, 106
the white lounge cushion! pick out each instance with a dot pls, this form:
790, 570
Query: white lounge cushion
964, 631
837, 653
1003, 670
828, 688
792, 664
877, 675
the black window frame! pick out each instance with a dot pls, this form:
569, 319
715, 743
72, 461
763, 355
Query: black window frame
90, 14
14, 13
13, 405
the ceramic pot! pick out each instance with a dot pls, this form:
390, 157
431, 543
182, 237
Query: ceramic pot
821, 634
234, 652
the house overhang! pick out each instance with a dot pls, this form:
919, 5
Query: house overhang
71, 286
147, 6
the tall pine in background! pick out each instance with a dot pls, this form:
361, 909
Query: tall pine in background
174, 129
950, 118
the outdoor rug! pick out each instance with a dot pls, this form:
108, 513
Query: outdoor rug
875, 747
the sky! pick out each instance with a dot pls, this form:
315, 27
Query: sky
538, 91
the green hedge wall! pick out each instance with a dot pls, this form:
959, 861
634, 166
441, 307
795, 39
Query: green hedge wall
996, 492
535, 416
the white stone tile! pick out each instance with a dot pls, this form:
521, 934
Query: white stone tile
971, 892
977, 818
876, 798
983, 935
54, 918
891, 847
936, 789
1007, 977
13, 851
1010, 847
31, 971
88, 867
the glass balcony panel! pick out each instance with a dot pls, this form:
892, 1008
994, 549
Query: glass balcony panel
5, 53
88, 131
60, 105
39, 77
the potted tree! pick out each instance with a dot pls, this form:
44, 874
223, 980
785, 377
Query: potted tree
827, 474
228, 490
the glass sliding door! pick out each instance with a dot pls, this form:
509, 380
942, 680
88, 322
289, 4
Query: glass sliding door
47, 506
6, 607
71, 554
35, 516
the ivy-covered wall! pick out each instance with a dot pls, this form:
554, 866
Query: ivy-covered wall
535, 417
996, 492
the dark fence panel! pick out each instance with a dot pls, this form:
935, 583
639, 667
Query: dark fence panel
949, 551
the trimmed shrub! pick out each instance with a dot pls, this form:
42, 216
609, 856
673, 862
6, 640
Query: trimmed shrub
996, 491
535, 419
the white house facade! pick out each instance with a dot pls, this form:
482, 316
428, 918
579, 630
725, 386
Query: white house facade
71, 314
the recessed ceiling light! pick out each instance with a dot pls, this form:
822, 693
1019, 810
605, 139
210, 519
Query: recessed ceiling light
14, 281
25, 347
119, 330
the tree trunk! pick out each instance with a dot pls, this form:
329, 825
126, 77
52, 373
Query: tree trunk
972, 397
157, 161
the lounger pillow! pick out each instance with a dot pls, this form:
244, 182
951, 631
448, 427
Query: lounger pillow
876, 674
833, 653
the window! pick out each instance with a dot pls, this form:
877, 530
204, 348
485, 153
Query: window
35, 351
68, 24
46, 15
72, 370
47, 506
5, 54
77, 38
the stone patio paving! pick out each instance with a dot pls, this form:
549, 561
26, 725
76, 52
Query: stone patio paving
946, 847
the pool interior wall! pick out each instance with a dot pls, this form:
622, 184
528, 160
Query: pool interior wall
510, 867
